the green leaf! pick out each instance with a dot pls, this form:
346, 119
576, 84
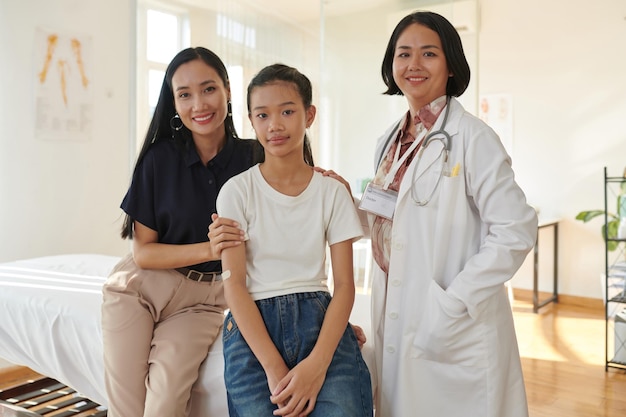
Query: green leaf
611, 233
613, 225
585, 216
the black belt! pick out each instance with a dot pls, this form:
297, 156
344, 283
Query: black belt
200, 276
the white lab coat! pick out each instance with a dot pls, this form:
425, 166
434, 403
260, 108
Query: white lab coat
442, 323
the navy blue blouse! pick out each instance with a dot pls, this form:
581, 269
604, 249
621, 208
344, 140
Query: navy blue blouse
174, 193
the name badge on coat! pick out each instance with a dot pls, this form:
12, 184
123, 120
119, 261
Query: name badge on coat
379, 201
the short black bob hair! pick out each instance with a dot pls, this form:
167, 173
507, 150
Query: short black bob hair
452, 48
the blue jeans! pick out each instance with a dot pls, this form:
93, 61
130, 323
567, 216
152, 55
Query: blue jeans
293, 322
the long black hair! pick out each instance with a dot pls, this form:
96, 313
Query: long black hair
281, 72
450, 43
160, 126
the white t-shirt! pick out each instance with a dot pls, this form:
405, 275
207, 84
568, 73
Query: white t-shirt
286, 236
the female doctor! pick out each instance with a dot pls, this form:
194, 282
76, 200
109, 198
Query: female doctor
449, 226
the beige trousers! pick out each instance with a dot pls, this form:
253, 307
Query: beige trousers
157, 327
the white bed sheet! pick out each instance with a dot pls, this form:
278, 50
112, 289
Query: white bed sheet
50, 322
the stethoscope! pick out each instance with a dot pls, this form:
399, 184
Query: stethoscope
445, 140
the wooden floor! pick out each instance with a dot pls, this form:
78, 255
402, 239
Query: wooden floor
15, 375
562, 349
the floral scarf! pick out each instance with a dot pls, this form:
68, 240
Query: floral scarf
381, 230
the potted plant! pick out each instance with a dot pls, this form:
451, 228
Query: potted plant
615, 227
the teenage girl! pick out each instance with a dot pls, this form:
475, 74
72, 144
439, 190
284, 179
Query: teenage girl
288, 347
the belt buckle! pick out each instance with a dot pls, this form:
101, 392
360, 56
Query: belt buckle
199, 275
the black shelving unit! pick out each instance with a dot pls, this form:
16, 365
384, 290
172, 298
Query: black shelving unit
615, 281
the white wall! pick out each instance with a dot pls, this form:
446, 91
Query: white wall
62, 196
563, 63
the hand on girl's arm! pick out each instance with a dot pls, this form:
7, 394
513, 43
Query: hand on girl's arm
223, 233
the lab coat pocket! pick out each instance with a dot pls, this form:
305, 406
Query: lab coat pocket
437, 185
447, 334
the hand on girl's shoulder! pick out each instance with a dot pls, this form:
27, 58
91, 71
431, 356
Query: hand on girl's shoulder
332, 174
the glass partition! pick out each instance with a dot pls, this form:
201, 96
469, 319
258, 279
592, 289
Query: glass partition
339, 45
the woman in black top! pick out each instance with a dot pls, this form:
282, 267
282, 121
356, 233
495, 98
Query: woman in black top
163, 304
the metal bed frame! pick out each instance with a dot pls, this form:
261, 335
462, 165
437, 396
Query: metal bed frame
44, 396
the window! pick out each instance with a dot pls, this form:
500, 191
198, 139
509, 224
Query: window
161, 34
235, 31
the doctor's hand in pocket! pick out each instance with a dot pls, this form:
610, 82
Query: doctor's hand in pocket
447, 333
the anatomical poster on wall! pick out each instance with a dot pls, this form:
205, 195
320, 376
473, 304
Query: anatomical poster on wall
497, 111
63, 86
